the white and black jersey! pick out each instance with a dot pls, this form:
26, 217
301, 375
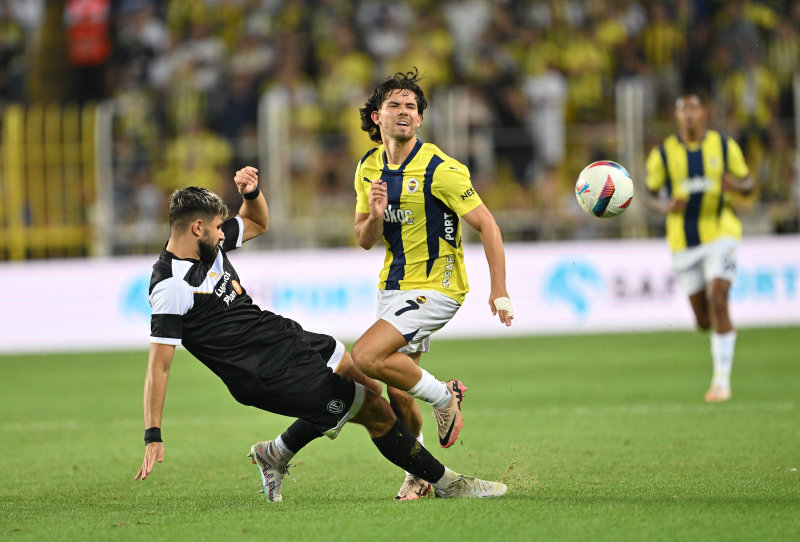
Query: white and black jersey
266, 360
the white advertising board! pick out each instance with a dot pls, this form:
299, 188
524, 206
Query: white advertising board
573, 287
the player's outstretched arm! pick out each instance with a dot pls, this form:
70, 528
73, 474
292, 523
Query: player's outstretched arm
155, 391
254, 211
483, 222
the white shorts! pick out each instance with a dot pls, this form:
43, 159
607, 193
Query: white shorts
416, 314
697, 266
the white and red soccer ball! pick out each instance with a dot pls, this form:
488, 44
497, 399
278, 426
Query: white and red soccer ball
604, 189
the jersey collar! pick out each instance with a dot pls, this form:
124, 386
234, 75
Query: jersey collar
694, 144
411, 155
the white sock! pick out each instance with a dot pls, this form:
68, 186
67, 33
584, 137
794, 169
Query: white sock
430, 390
722, 348
286, 453
445, 480
421, 440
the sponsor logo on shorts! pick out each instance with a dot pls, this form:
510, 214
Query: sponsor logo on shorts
336, 406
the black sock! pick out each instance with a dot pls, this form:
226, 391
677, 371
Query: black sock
299, 434
402, 449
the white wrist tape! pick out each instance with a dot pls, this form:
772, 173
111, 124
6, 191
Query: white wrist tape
504, 304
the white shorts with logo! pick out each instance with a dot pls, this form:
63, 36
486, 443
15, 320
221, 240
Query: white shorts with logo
416, 314
695, 267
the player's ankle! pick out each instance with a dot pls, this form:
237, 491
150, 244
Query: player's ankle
446, 478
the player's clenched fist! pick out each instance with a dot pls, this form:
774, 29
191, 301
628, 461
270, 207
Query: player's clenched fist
377, 199
246, 179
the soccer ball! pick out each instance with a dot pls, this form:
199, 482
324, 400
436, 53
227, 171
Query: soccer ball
604, 189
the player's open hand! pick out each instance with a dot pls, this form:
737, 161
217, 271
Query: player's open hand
153, 452
246, 179
377, 199
501, 306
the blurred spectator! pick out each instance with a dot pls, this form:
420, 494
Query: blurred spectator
699, 54
587, 66
738, 35
12, 55
466, 19
141, 38
199, 155
384, 26
547, 95
751, 95
784, 61
664, 47
88, 27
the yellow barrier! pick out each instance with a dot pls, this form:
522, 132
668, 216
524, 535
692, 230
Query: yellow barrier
47, 180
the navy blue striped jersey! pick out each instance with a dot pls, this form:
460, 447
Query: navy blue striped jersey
421, 227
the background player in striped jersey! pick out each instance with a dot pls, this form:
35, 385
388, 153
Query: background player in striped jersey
266, 361
696, 168
411, 195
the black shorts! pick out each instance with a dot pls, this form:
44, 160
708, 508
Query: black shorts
296, 380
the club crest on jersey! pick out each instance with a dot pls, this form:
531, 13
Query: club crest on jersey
412, 185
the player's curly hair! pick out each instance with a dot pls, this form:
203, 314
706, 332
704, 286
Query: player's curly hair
404, 81
191, 203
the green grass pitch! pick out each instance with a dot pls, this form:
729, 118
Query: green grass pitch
599, 437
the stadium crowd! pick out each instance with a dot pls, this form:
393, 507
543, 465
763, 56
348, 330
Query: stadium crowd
537, 81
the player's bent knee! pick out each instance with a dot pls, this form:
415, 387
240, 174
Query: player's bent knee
348, 368
365, 360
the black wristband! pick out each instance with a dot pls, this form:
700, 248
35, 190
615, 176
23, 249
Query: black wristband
252, 195
152, 434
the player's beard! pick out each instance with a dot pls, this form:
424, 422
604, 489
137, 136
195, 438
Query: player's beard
208, 251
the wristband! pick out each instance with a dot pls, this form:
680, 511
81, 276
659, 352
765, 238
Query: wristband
504, 304
152, 434
252, 195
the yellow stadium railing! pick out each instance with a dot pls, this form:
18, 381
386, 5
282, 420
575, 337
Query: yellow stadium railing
47, 180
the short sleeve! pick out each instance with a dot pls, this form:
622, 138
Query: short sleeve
170, 300
656, 171
233, 228
362, 186
736, 164
452, 185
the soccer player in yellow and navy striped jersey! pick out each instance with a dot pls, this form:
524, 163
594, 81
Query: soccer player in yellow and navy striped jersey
421, 230
413, 196
696, 168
